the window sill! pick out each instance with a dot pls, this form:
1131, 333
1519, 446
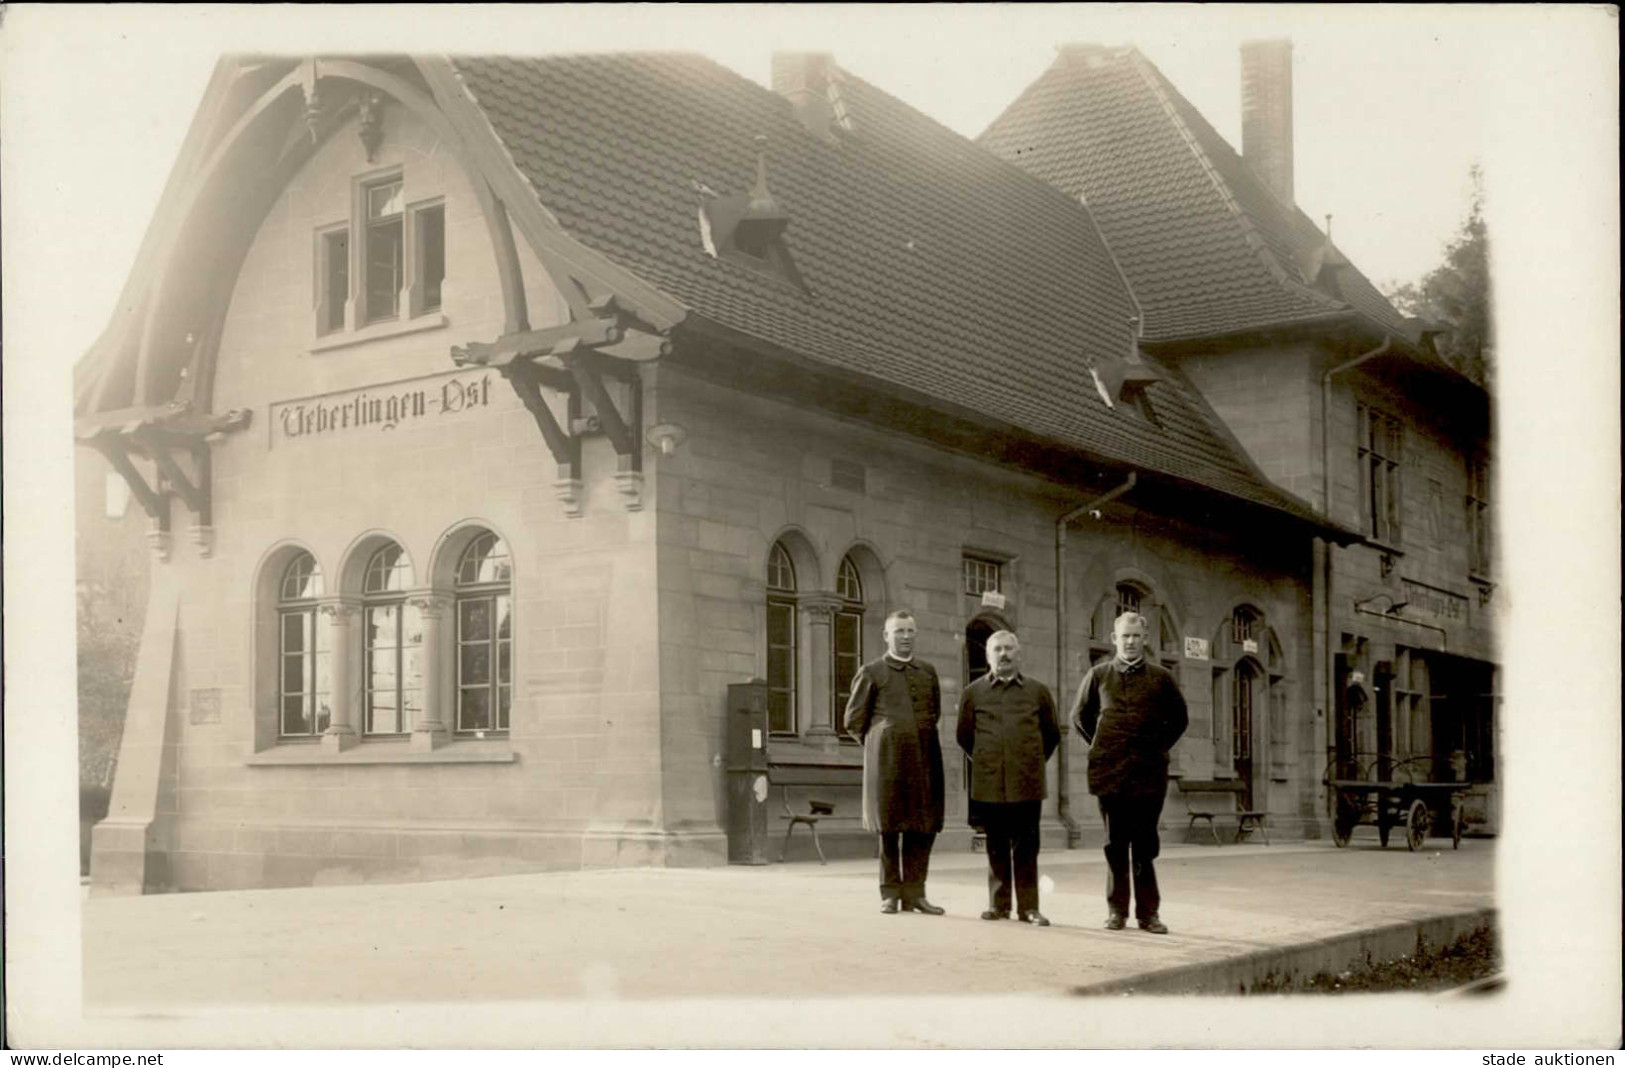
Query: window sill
1384, 546
378, 332
392, 751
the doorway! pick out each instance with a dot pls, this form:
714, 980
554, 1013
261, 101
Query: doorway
1385, 721
1243, 702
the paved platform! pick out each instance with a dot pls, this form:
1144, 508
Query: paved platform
778, 931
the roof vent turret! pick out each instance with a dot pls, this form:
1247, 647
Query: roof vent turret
748, 229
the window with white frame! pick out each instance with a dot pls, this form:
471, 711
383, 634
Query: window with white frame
847, 655
383, 249
304, 652
332, 277
781, 641
1478, 516
982, 575
1410, 727
392, 629
388, 259
484, 635
1381, 447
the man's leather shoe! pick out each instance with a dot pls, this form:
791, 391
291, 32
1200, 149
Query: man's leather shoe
1154, 925
1034, 917
920, 904
996, 914
1116, 921
890, 906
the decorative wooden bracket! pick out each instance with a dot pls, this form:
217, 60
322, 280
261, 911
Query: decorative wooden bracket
160, 434
526, 378
575, 359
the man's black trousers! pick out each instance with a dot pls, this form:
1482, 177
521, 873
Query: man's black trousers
905, 858
1012, 853
1132, 846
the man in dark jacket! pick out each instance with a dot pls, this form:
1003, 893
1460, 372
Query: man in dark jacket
1130, 712
894, 708
1008, 726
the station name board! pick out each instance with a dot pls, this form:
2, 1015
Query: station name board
1435, 602
383, 409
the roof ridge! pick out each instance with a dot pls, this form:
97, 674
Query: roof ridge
1160, 88
1037, 185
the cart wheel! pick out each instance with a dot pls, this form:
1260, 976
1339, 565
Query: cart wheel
1417, 824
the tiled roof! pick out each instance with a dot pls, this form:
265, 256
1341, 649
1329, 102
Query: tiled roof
929, 263
1208, 247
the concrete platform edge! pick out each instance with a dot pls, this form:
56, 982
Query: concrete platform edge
1335, 954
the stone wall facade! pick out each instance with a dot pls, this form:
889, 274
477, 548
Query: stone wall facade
1414, 616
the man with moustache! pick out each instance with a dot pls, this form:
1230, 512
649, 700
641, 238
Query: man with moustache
1130, 712
1007, 725
895, 703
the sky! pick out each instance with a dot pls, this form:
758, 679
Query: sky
1392, 105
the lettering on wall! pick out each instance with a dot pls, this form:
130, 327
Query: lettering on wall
383, 409
1435, 602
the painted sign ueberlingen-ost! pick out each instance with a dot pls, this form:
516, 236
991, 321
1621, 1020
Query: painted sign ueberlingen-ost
388, 408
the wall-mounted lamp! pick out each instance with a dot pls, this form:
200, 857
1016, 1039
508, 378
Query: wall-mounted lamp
1393, 608
1392, 612
666, 437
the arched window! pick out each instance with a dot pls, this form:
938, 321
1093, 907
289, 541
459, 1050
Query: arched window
393, 634
848, 638
484, 635
1161, 636
1245, 625
1128, 600
305, 656
1251, 733
781, 641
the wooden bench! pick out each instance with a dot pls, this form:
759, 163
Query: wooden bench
1246, 819
795, 763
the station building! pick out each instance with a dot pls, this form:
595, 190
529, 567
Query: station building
494, 416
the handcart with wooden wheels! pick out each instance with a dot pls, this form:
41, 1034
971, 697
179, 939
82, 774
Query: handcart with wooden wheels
1392, 794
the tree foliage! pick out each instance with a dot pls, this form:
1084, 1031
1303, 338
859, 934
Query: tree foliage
1457, 293
106, 669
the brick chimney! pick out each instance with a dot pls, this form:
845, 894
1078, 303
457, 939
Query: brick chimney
803, 79
1266, 113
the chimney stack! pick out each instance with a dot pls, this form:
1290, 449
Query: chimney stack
803, 79
1266, 113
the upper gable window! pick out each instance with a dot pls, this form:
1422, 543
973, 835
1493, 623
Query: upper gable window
387, 263
1380, 449
385, 251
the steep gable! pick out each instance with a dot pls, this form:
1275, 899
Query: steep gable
1208, 248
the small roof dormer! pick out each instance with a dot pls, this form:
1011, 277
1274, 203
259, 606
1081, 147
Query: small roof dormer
748, 230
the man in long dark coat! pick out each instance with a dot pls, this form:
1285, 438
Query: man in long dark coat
895, 703
1007, 724
1131, 713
